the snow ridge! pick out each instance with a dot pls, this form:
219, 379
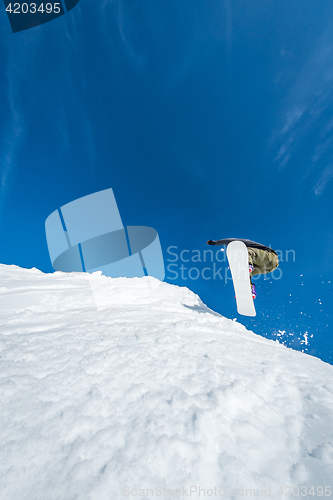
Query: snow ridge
116, 388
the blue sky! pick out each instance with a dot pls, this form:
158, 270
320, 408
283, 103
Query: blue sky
207, 119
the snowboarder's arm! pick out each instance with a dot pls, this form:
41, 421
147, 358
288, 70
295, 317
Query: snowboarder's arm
220, 242
248, 243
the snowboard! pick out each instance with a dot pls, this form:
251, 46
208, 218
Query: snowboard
239, 265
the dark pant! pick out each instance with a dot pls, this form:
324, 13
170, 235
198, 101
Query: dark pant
262, 261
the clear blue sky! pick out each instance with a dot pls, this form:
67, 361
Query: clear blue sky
208, 119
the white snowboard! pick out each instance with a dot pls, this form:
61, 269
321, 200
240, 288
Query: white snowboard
239, 265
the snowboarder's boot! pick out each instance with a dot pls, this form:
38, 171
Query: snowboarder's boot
250, 268
253, 290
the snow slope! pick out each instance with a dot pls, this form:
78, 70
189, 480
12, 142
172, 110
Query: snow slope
126, 388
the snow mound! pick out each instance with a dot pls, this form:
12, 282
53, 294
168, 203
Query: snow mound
123, 388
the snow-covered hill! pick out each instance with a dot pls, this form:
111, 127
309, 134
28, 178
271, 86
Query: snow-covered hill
125, 388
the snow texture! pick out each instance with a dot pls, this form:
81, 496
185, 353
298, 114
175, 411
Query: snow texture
133, 388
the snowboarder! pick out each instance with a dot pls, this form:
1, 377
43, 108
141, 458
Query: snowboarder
262, 259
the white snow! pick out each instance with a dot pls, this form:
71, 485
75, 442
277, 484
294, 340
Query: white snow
133, 388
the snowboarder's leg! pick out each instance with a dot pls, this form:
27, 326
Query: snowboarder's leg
262, 261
